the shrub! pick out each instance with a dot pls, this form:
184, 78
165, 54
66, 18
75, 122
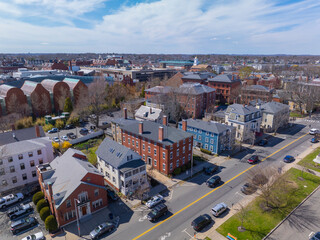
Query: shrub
66, 144
40, 122
51, 223
25, 122
44, 213
59, 124
177, 171
68, 105
183, 168
73, 120
37, 197
205, 151
47, 127
41, 204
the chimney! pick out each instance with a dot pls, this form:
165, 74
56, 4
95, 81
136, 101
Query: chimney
184, 125
37, 128
165, 120
125, 114
140, 127
150, 110
232, 77
161, 133
50, 190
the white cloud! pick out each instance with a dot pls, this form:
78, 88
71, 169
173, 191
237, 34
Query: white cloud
170, 26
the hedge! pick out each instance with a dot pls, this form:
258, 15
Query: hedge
205, 151
41, 204
51, 223
37, 197
177, 171
44, 213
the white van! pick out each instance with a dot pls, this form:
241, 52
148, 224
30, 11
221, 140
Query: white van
218, 209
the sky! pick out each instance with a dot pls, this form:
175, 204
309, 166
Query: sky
160, 26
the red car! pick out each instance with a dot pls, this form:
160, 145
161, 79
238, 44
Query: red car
253, 159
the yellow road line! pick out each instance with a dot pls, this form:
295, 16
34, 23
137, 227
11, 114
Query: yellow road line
205, 195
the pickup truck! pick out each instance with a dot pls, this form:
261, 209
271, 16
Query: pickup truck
10, 199
18, 211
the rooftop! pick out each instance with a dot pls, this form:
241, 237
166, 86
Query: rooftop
213, 127
19, 135
273, 107
225, 78
241, 109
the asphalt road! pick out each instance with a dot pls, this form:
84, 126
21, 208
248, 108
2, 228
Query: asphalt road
189, 200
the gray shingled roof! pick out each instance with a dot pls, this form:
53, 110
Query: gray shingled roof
159, 89
273, 107
115, 154
68, 173
227, 78
213, 127
242, 110
258, 88
198, 76
124, 122
151, 131
20, 135
194, 88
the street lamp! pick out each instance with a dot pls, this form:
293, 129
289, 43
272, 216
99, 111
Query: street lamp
75, 207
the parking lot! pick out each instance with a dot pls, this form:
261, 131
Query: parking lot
5, 223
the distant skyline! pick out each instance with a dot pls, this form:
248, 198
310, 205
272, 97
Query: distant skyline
163, 26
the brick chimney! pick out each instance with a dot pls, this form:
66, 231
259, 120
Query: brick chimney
125, 113
165, 120
232, 77
184, 125
161, 132
50, 190
37, 128
150, 110
140, 127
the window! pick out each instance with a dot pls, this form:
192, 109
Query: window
113, 169
184, 141
68, 203
137, 144
189, 157
211, 148
135, 171
163, 167
22, 166
155, 152
177, 144
69, 215
177, 152
199, 137
129, 141
12, 169
132, 142
206, 146
30, 154
144, 157
211, 141
4, 182
189, 146
143, 169
171, 165
24, 176
97, 203
207, 139
128, 174
163, 155
178, 163
34, 173
155, 162
149, 149
108, 175
96, 192
124, 139
2, 172
1, 162
31, 163
114, 179
171, 155
237, 116
10, 159
200, 131
212, 134
106, 165
207, 133
143, 146
40, 161
14, 180
20, 156
183, 160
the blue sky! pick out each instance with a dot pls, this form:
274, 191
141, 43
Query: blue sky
161, 26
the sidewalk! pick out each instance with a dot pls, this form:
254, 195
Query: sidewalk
213, 234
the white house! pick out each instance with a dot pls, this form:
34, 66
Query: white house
20, 157
123, 168
149, 113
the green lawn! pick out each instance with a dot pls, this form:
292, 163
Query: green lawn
91, 155
297, 114
259, 223
89, 148
308, 161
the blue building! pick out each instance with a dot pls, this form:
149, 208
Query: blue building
213, 136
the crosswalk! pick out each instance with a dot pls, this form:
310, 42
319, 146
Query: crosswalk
308, 120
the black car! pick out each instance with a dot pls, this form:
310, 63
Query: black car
200, 222
214, 181
157, 212
70, 126
71, 135
23, 224
18, 211
210, 170
248, 189
112, 195
263, 142
101, 229
84, 131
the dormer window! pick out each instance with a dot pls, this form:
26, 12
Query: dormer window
237, 116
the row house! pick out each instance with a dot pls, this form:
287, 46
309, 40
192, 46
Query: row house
123, 169
21, 151
213, 136
161, 147
76, 195
255, 92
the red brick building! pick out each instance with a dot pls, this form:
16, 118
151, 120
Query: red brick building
227, 87
255, 92
12, 99
59, 91
77, 87
163, 148
38, 98
82, 191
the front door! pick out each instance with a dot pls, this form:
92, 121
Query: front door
84, 210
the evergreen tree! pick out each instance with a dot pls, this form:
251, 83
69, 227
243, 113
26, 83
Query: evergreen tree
68, 105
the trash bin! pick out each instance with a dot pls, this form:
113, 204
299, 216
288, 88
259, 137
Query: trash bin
111, 216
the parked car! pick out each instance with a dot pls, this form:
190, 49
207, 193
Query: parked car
18, 211
56, 139
84, 131
253, 159
314, 140
70, 126
71, 135
36, 236
104, 123
219, 209
155, 200
31, 189
157, 212
200, 222
248, 188
314, 236
10, 199
313, 131
211, 170
288, 159
214, 181
110, 114
23, 224
112, 195
263, 142
53, 130
102, 229
64, 138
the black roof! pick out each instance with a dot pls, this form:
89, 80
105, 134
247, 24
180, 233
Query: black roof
19, 135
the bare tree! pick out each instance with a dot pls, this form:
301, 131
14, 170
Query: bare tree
7, 121
64, 93
243, 213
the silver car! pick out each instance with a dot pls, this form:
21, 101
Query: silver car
101, 229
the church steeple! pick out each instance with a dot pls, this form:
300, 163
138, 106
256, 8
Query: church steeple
195, 61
